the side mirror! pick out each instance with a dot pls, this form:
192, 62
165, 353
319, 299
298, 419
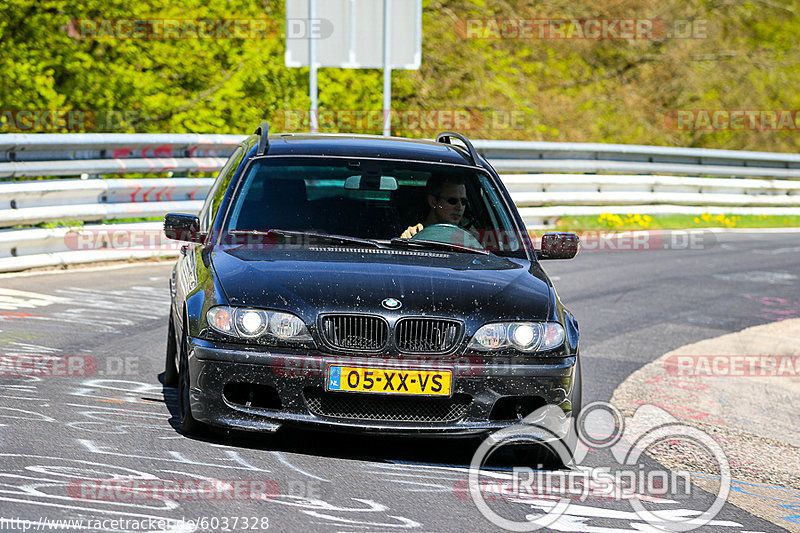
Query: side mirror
181, 227
558, 246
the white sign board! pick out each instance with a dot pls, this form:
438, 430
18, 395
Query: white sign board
349, 33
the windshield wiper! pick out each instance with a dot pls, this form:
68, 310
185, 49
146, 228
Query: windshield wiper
437, 245
300, 235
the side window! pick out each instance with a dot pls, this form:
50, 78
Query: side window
493, 214
218, 189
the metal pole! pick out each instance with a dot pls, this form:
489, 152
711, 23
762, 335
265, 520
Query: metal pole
387, 69
351, 58
312, 62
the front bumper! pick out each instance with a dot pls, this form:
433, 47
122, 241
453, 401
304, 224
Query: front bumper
479, 383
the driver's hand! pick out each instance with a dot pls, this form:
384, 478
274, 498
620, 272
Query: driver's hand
411, 231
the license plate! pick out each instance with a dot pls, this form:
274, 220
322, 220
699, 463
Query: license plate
389, 380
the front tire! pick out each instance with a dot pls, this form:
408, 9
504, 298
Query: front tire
187, 423
571, 440
537, 456
170, 365
560, 454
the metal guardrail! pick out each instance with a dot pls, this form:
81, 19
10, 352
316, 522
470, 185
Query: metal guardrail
546, 181
32, 202
60, 146
543, 198
52, 154
636, 153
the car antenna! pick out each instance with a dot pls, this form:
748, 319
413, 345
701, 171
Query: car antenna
444, 138
263, 142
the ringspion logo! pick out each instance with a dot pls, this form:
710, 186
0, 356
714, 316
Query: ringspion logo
549, 495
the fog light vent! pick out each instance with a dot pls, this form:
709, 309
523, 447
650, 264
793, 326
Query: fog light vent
251, 395
515, 407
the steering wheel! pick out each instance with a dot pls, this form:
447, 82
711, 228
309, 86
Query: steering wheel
448, 233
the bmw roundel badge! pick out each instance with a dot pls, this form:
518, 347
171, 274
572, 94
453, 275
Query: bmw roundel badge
392, 303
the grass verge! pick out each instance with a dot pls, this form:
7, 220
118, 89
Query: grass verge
607, 221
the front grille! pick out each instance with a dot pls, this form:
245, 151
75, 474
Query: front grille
386, 408
426, 335
355, 332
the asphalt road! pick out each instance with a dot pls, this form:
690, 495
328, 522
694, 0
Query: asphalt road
107, 416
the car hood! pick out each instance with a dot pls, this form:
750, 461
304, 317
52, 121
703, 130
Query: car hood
308, 281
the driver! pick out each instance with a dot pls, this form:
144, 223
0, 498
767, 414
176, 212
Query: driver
446, 201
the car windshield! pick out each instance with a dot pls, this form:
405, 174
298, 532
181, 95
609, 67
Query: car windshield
375, 200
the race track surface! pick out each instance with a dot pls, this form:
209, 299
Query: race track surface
107, 415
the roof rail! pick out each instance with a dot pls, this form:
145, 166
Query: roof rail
444, 137
263, 142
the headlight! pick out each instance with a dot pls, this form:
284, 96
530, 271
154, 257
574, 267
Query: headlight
553, 336
522, 336
287, 326
490, 336
221, 319
248, 323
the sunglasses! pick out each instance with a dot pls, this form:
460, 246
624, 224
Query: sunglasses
452, 200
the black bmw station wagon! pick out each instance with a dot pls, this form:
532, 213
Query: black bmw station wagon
362, 283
